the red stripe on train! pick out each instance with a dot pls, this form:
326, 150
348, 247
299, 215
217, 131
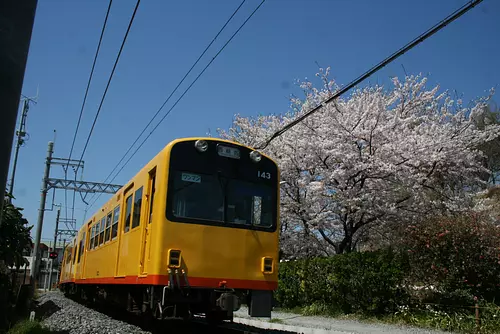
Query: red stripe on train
193, 281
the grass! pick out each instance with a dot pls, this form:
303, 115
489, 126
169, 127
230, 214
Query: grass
460, 322
29, 327
277, 321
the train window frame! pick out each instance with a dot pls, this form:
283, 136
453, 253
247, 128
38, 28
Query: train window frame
107, 231
88, 232
152, 191
115, 222
137, 207
127, 217
69, 251
96, 236
76, 251
80, 246
92, 236
101, 230
184, 159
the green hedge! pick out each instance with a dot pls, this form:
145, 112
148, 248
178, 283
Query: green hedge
368, 282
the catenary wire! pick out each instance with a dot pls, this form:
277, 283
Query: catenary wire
450, 18
184, 93
172, 93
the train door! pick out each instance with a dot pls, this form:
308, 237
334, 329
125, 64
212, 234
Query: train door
124, 253
146, 246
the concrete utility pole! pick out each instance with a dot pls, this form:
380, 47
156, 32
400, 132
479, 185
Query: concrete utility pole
54, 248
16, 25
21, 133
41, 211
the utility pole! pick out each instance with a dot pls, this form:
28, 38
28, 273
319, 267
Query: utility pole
16, 26
21, 133
54, 248
41, 211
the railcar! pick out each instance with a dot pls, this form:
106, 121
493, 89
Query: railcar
195, 231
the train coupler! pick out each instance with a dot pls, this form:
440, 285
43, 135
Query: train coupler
229, 302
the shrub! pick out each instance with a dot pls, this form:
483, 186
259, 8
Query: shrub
29, 327
459, 255
369, 282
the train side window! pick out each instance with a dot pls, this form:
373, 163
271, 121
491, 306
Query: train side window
128, 211
68, 258
136, 219
75, 255
80, 251
116, 218
91, 243
108, 227
101, 232
93, 235
88, 233
150, 218
96, 235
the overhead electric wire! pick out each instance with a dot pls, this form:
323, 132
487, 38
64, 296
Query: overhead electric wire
81, 111
184, 93
89, 81
109, 81
174, 90
450, 18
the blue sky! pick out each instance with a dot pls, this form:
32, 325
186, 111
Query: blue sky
254, 75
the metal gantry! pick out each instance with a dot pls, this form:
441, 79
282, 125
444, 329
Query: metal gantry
83, 186
49, 183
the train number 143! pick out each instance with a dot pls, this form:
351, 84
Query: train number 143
264, 175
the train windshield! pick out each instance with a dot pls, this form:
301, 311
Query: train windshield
213, 187
216, 198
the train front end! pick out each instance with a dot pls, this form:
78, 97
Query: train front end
220, 237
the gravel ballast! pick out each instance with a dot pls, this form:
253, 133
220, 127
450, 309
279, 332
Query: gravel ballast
62, 314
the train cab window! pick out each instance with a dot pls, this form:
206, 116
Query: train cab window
128, 212
101, 232
136, 218
108, 227
116, 218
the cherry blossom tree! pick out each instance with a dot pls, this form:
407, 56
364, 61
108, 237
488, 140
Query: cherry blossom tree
375, 159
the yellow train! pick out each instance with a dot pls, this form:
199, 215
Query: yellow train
195, 231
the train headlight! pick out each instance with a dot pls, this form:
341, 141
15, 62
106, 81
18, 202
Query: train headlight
174, 258
255, 156
201, 145
267, 265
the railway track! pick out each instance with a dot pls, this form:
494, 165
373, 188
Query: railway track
195, 325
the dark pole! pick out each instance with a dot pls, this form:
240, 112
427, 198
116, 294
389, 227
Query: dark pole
41, 211
20, 134
16, 25
54, 248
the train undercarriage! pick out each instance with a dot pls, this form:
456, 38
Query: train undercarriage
159, 302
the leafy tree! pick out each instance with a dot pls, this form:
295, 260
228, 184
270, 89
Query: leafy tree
14, 240
378, 158
15, 236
